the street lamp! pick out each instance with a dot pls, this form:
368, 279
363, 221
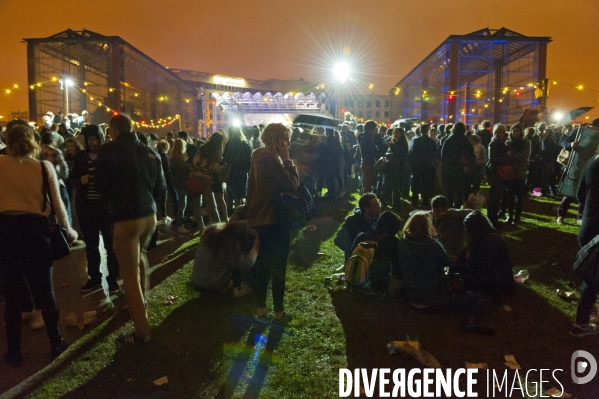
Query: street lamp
341, 72
65, 83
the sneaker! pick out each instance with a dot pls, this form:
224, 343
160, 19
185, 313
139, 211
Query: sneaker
38, 320
183, 230
579, 221
262, 320
166, 219
287, 317
90, 286
582, 330
113, 287
560, 220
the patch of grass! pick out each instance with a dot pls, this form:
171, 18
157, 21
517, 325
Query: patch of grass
206, 345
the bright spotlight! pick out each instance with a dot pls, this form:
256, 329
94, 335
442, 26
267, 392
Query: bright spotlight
341, 72
236, 123
69, 82
558, 116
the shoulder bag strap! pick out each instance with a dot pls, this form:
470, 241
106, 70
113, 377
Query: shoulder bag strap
46, 189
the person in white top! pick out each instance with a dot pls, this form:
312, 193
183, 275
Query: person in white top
24, 234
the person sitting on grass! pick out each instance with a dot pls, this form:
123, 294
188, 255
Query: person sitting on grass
363, 219
449, 226
225, 252
385, 262
422, 262
485, 265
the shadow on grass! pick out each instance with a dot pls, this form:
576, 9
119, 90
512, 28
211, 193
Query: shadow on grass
188, 347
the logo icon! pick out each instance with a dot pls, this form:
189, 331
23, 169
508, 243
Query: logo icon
579, 367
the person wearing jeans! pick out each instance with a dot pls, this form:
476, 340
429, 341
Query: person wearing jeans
271, 173
26, 243
179, 173
129, 180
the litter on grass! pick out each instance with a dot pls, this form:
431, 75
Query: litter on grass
412, 348
510, 361
477, 365
309, 228
566, 294
170, 300
522, 276
161, 381
556, 393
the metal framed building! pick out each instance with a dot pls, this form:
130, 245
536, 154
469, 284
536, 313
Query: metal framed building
106, 75
487, 74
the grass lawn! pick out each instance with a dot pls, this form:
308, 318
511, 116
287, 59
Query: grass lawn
206, 345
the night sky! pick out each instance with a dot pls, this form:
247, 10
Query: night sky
289, 39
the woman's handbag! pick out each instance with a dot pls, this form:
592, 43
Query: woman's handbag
58, 234
291, 208
563, 157
505, 172
197, 182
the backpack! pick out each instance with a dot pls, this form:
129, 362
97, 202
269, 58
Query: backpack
356, 267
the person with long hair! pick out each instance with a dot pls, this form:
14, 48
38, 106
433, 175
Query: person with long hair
25, 237
207, 161
422, 262
549, 151
520, 148
179, 172
271, 173
499, 156
238, 158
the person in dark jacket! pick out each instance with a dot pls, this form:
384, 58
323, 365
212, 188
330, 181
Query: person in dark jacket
485, 265
331, 156
549, 152
368, 152
499, 156
520, 148
422, 261
128, 178
588, 194
571, 143
385, 263
485, 134
457, 154
398, 176
423, 161
92, 212
363, 219
237, 157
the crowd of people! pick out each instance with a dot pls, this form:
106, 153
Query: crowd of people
113, 185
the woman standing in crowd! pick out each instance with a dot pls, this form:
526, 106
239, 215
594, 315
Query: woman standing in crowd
457, 154
179, 172
399, 176
520, 148
549, 151
272, 172
207, 162
238, 158
534, 176
162, 147
497, 172
27, 251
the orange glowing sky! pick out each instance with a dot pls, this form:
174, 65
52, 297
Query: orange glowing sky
289, 39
